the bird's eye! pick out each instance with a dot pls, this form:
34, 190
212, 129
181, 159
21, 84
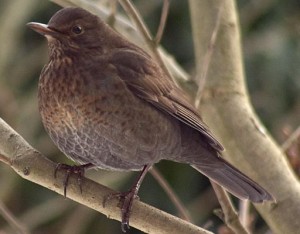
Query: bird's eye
77, 29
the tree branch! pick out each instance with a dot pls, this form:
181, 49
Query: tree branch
205, 66
152, 44
292, 138
12, 220
163, 20
227, 110
184, 214
33, 166
231, 218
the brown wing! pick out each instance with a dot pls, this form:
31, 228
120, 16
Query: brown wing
146, 80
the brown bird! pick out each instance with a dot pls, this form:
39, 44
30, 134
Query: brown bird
106, 103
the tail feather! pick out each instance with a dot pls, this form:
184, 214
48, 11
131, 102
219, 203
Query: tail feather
233, 180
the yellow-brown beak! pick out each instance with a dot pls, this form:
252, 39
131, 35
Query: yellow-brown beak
42, 29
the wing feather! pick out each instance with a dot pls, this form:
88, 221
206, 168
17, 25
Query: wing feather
146, 80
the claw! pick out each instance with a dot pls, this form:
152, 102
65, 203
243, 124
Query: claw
126, 202
78, 170
125, 227
126, 199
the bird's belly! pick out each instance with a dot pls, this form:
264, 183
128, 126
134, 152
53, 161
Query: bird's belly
123, 138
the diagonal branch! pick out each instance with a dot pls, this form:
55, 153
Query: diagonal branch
33, 166
230, 215
292, 138
172, 195
12, 220
207, 59
137, 19
227, 110
163, 20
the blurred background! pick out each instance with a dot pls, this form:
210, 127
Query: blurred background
271, 48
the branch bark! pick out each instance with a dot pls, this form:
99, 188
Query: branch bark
33, 166
231, 217
228, 111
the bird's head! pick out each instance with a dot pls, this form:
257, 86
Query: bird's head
75, 29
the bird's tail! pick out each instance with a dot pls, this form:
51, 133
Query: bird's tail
224, 174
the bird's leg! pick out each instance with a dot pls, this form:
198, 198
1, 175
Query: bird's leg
127, 198
78, 170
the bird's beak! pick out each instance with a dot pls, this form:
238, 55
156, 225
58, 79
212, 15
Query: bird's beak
42, 29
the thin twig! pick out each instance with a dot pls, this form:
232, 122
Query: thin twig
163, 20
4, 159
292, 138
41, 213
112, 15
244, 212
12, 220
207, 59
136, 17
231, 218
141, 26
172, 195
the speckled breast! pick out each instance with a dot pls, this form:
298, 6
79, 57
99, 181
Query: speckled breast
99, 121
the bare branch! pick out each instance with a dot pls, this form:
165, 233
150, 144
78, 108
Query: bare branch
135, 16
244, 213
12, 220
172, 195
33, 166
226, 109
137, 19
163, 20
230, 215
4, 159
207, 58
113, 11
292, 138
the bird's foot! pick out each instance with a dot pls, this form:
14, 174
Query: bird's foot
77, 170
126, 199
125, 202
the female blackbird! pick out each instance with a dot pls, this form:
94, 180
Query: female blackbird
106, 103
